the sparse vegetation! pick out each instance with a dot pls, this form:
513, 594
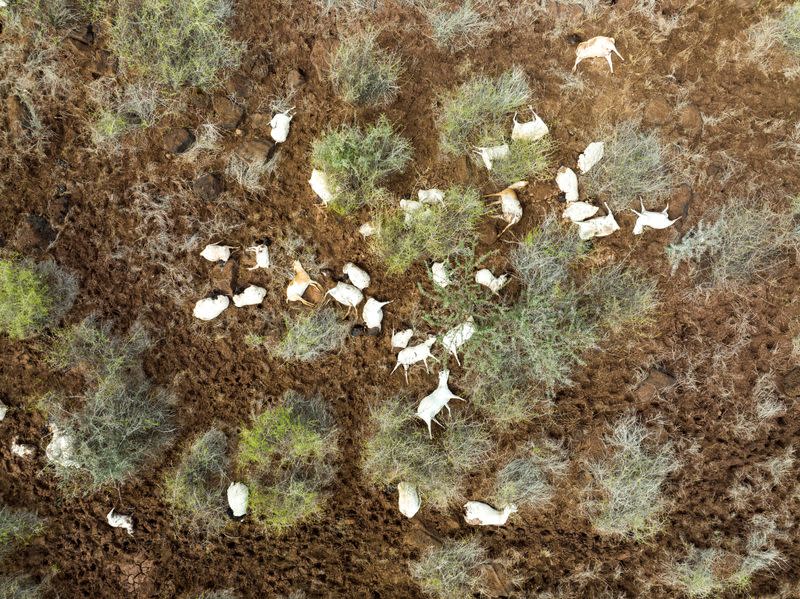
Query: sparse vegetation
526, 160
524, 481
196, 488
363, 73
285, 457
634, 165
121, 111
311, 334
478, 110
790, 28
452, 571
400, 450
357, 161
21, 587
740, 244
455, 30
628, 482
17, 527
435, 231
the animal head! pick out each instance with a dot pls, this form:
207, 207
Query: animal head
510, 509
638, 228
430, 341
443, 376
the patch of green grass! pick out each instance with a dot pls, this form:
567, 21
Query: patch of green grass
629, 480
175, 42
357, 162
634, 165
526, 160
478, 110
363, 73
435, 231
789, 25
17, 527
451, 571
311, 334
196, 488
57, 14
400, 451
456, 30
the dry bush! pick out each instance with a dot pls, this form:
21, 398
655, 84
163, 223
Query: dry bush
526, 160
775, 40
121, 110
452, 571
525, 480
21, 586
456, 30
311, 334
17, 527
249, 173
362, 73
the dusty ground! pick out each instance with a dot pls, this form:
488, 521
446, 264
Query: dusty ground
361, 545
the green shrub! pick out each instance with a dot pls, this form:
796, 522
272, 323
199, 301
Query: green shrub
526, 160
17, 527
21, 587
435, 231
742, 243
175, 42
362, 73
309, 335
400, 451
628, 481
633, 166
284, 457
455, 30
789, 25
478, 110
196, 488
452, 571
358, 161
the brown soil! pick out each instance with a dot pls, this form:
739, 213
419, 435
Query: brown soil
361, 545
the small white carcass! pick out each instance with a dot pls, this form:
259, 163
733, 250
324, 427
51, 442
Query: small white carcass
416, 353
510, 208
458, 336
408, 499
597, 47
601, 226
482, 514
432, 404
652, 220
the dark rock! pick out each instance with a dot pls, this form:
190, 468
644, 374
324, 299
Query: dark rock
358, 330
420, 538
574, 38
790, 383
498, 580
656, 381
374, 332
295, 79
208, 187
255, 150
657, 112
680, 201
16, 117
691, 121
177, 140
223, 278
34, 233
229, 114
238, 85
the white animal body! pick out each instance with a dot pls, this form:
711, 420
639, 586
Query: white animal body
510, 207
401, 338
410, 207
22, 450
238, 495
567, 182
597, 47
408, 499
481, 514
489, 155
118, 521
217, 253
297, 287
458, 336
366, 230
532, 130
598, 227
439, 274
320, 185
3, 411
432, 404
262, 256
280, 125
578, 211
416, 353
430, 196
358, 276
591, 155
652, 220
210, 307
61, 449
485, 277
373, 313
346, 294
251, 296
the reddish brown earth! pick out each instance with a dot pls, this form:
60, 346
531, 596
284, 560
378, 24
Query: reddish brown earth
361, 545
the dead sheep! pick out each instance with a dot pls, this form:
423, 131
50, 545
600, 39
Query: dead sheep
118, 521
489, 155
591, 155
280, 125
652, 220
408, 499
597, 47
481, 514
61, 449
261, 251
416, 353
210, 307
532, 130
485, 277
567, 182
3, 411
373, 313
366, 230
430, 196
238, 495
297, 287
358, 276
401, 338
439, 274
579, 211
510, 207
458, 336
432, 404
251, 296
217, 253
346, 294
320, 185
601, 226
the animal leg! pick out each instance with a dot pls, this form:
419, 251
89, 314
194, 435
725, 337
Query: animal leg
617, 53
430, 432
393, 369
577, 62
610, 64
457, 397
457, 360
315, 284
439, 423
304, 302
406, 371
449, 413
508, 226
425, 361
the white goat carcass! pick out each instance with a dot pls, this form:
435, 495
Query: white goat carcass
598, 227
3, 411
217, 253
510, 207
432, 404
251, 296
358, 276
210, 307
597, 47
238, 495
408, 499
532, 130
280, 125
652, 220
410, 208
262, 255
321, 185
567, 182
458, 336
430, 196
579, 211
373, 313
118, 521
591, 155
347, 295
439, 274
481, 514
366, 230
416, 353
489, 155
485, 277
297, 287
61, 449
401, 338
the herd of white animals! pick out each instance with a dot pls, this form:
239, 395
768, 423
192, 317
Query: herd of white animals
351, 294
